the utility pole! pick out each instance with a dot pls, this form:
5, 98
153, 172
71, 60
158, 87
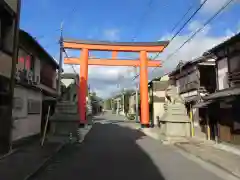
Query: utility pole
136, 91
60, 60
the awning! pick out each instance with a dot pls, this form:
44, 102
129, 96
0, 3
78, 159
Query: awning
202, 104
49, 98
223, 93
190, 98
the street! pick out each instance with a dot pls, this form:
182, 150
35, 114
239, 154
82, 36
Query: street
112, 150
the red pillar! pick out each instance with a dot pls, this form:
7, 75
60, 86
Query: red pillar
83, 86
144, 89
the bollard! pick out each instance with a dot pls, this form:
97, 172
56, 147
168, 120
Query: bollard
79, 136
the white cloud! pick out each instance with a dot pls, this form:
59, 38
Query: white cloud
212, 6
196, 25
111, 34
195, 48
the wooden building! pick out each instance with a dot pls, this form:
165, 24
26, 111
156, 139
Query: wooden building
194, 80
226, 99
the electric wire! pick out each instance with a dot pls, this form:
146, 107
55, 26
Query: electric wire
199, 30
180, 29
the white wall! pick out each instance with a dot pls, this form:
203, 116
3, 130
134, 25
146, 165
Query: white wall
25, 124
67, 82
222, 66
158, 107
132, 103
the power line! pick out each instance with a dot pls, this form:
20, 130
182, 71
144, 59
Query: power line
182, 18
140, 23
43, 36
192, 16
138, 27
200, 29
71, 64
181, 28
63, 20
61, 36
144, 15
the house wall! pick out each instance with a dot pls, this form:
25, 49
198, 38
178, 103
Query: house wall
12, 4
222, 70
26, 122
158, 98
184, 82
132, 104
158, 105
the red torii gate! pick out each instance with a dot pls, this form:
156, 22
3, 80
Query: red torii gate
144, 63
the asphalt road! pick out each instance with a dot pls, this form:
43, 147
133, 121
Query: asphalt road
112, 151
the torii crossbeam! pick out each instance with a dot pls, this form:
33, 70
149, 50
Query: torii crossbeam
143, 63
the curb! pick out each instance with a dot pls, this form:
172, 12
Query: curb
48, 159
45, 162
9, 154
207, 161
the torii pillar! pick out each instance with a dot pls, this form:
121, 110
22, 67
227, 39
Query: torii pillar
144, 63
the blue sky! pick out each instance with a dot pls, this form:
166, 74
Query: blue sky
121, 20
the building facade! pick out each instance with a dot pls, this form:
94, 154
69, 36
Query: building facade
194, 80
9, 22
35, 87
225, 102
157, 99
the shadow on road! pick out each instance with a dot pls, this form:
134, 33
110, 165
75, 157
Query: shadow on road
109, 152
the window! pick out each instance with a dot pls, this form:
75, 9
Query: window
34, 106
25, 60
6, 36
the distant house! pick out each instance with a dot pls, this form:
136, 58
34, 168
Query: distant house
157, 89
35, 89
